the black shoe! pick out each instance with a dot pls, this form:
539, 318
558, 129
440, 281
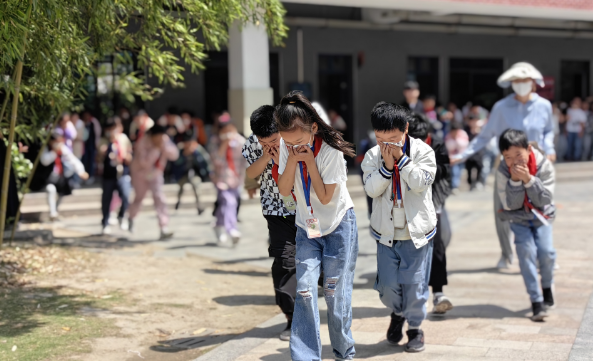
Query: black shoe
200, 211
539, 314
177, 205
394, 332
285, 335
548, 298
415, 341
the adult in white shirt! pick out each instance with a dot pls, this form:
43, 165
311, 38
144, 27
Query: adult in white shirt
575, 129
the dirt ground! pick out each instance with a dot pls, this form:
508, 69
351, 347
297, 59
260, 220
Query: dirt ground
165, 300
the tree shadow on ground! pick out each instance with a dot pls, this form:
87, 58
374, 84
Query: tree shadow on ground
483, 270
479, 311
28, 308
98, 242
237, 273
242, 300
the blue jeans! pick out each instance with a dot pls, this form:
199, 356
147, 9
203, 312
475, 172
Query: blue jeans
456, 175
335, 254
403, 272
575, 146
123, 186
535, 243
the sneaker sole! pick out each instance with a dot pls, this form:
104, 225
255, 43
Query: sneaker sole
414, 350
284, 338
538, 318
443, 307
393, 343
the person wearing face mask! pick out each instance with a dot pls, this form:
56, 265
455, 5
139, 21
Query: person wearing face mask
523, 110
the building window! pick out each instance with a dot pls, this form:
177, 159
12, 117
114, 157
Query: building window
474, 80
425, 71
574, 79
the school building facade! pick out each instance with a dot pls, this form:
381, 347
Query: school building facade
350, 54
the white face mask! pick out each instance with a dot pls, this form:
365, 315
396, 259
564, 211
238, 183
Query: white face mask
523, 88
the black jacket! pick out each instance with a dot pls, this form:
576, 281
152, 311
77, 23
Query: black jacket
441, 187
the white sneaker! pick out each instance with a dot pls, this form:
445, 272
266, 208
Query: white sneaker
441, 303
235, 236
124, 225
106, 230
221, 235
503, 263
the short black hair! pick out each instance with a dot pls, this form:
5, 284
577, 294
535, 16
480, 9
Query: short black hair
430, 97
389, 116
420, 127
411, 85
156, 130
456, 125
513, 138
262, 122
172, 110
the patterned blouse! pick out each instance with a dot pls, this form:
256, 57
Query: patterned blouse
271, 199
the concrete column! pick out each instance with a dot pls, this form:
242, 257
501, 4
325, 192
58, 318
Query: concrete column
249, 73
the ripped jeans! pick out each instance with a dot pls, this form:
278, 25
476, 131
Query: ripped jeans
335, 254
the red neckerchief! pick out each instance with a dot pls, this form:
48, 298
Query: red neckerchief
58, 164
318, 141
532, 166
229, 159
396, 181
275, 176
428, 140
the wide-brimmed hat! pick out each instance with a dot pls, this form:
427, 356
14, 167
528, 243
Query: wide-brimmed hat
520, 70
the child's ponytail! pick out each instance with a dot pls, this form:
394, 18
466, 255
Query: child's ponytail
296, 111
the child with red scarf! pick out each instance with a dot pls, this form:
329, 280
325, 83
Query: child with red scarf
525, 185
228, 176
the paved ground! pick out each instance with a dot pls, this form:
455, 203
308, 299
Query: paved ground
489, 320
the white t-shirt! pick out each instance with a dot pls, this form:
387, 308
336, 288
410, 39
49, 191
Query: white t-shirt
332, 168
576, 117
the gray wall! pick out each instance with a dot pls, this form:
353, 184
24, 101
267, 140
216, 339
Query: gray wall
384, 70
386, 53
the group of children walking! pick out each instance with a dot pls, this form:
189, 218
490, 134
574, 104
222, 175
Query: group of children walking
313, 232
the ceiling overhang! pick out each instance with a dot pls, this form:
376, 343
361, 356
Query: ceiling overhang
581, 10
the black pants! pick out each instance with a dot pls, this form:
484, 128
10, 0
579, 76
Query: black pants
438, 272
283, 248
470, 165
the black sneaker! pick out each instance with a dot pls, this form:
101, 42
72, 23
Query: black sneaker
415, 341
285, 335
539, 314
177, 205
548, 298
394, 332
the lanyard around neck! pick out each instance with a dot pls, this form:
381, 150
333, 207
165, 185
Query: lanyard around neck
304, 174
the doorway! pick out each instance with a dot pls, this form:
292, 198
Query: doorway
474, 80
574, 79
335, 90
425, 71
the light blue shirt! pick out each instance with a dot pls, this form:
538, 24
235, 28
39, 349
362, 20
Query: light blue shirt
533, 117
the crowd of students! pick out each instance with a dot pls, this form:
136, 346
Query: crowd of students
299, 160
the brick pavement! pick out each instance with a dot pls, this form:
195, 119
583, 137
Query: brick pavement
489, 321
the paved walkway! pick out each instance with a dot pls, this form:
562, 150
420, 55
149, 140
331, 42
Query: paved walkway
489, 319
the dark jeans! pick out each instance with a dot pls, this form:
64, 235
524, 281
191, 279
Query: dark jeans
123, 187
88, 159
575, 146
438, 272
470, 165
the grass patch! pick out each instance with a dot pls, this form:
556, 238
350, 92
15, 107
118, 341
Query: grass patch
51, 323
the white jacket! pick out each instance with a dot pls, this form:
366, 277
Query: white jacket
417, 169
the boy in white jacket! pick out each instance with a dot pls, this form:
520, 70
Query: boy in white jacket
398, 175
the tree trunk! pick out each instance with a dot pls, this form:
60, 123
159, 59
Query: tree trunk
25, 189
13, 115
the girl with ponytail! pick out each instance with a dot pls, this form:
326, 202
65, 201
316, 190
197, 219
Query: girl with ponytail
312, 161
